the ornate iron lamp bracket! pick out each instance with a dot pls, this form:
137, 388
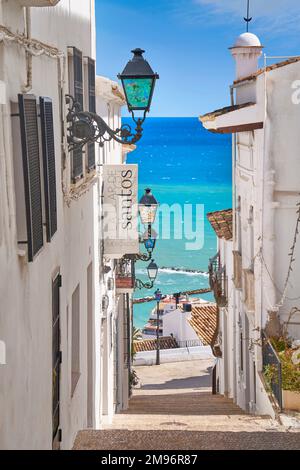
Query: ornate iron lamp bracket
143, 285
85, 127
140, 257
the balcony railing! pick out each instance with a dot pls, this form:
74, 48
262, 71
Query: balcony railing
237, 269
218, 280
272, 369
249, 290
125, 276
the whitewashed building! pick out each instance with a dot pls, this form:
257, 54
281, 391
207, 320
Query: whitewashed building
117, 283
264, 119
59, 308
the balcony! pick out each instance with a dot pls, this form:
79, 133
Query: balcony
249, 289
125, 277
218, 280
237, 270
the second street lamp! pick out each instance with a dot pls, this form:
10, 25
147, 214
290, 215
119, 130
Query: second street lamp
148, 206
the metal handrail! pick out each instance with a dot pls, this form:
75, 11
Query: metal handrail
271, 358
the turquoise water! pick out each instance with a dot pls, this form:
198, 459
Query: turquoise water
183, 164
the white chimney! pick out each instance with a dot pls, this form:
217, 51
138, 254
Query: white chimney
246, 52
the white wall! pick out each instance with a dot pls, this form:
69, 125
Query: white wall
148, 358
176, 323
25, 289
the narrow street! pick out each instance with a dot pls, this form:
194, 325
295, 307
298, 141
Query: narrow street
174, 409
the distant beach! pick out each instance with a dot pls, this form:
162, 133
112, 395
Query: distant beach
183, 164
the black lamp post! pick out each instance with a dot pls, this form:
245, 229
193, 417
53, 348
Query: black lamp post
149, 239
158, 296
138, 80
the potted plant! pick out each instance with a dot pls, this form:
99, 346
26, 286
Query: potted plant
290, 373
290, 370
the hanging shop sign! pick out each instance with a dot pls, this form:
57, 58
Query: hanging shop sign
120, 210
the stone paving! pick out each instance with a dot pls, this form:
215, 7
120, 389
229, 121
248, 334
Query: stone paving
173, 409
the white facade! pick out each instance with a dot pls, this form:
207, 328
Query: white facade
176, 323
87, 383
117, 318
266, 165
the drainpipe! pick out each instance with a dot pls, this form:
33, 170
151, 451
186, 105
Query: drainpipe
28, 87
234, 306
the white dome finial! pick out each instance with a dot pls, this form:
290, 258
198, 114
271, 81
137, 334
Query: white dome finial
247, 40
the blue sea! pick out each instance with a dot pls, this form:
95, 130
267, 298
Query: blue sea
183, 164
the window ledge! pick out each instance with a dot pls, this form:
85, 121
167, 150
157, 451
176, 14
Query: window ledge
78, 189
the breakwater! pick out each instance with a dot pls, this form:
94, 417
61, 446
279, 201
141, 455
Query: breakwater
189, 292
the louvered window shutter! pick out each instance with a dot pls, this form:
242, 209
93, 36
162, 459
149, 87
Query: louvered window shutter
92, 108
77, 170
47, 126
31, 171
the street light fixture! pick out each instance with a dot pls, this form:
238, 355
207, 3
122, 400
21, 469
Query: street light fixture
148, 206
138, 80
152, 270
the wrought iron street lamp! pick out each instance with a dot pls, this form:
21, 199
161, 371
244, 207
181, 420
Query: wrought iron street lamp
148, 206
158, 297
138, 80
152, 270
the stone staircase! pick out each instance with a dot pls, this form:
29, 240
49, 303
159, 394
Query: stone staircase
175, 410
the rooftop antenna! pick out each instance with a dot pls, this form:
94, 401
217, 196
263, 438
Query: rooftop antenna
248, 19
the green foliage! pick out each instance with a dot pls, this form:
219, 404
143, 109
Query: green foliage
290, 372
133, 380
280, 344
271, 376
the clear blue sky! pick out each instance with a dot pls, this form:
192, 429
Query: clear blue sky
186, 42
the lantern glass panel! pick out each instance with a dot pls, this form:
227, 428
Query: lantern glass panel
152, 271
147, 214
138, 92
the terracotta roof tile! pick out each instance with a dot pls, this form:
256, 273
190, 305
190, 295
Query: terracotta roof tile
221, 222
219, 112
278, 65
165, 342
204, 321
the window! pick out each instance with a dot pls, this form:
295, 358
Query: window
46, 110
91, 92
31, 174
75, 367
241, 353
36, 201
251, 238
76, 89
239, 224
